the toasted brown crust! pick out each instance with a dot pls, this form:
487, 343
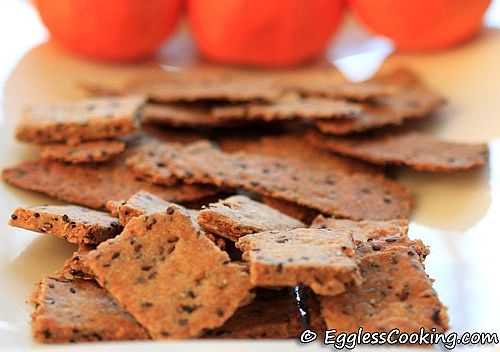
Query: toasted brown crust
238, 216
150, 270
396, 293
76, 224
414, 149
79, 121
88, 152
323, 259
355, 196
93, 185
272, 315
80, 311
178, 115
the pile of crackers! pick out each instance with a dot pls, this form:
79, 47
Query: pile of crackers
223, 204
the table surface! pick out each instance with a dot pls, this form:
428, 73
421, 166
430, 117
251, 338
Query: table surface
457, 214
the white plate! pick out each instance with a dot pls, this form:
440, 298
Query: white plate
457, 214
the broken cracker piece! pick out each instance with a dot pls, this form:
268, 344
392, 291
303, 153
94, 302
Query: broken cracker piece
88, 152
93, 185
149, 269
74, 223
414, 149
78, 121
80, 311
238, 216
178, 115
323, 259
395, 293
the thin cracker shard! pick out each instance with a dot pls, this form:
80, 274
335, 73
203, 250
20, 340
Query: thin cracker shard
93, 185
272, 315
396, 293
149, 269
333, 192
88, 152
80, 311
76, 224
376, 236
78, 121
177, 115
74, 267
238, 216
303, 108
323, 259
414, 149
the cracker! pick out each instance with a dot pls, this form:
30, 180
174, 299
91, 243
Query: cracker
289, 109
219, 89
74, 223
272, 315
297, 147
411, 100
80, 311
414, 149
323, 259
362, 91
93, 185
88, 152
238, 216
178, 115
170, 277
356, 196
396, 293
377, 236
74, 122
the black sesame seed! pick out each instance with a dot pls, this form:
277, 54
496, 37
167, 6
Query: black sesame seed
115, 255
72, 290
13, 217
170, 210
36, 215
375, 247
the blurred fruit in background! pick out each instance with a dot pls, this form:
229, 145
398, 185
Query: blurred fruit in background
110, 30
271, 33
422, 24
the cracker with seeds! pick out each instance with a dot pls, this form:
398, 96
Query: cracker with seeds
88, 152
272, 315
219, 89
323, 259
414, 149
356, 196
238, 216
297, 147
411, 100
362, 91
74, 223
395, 293
93, 185
377, 236
170, 277
178, 115
74, 267
290, 109
80, 311
148, 164
75, 122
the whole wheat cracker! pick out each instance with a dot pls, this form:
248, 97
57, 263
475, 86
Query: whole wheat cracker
74, 223
395, 293
78, 121
239, 215
417, 150
87, 152
323, 259
80, 311
149, 269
